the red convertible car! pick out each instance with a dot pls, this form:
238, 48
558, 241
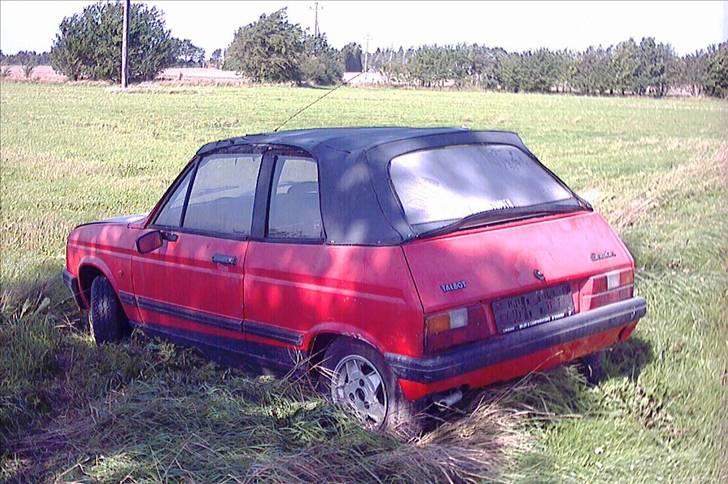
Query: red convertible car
404, 264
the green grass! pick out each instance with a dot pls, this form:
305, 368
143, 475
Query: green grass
657, 169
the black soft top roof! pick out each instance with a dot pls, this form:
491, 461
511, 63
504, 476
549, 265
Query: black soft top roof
358, 204
317, 140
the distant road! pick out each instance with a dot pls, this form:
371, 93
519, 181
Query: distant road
186, 74
191, 74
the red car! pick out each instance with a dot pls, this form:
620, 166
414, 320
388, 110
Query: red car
408, 264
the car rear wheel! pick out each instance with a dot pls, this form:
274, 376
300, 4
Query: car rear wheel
106, 317
356, 377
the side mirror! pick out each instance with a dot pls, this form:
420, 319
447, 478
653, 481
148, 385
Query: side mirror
149, 242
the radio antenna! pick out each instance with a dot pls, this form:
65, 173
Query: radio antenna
315, 101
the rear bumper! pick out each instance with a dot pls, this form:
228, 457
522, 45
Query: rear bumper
71, 283
581, 333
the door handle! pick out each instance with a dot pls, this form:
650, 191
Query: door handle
228, 260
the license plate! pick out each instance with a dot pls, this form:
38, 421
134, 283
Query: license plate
530, 309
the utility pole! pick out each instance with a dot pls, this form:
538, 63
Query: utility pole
366, 53
316, 30
125, 46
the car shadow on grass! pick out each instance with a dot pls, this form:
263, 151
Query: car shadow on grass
628, 358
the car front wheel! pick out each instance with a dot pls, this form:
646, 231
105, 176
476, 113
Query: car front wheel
357, 378
106, 317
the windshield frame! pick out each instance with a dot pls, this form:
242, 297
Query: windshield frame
417, 232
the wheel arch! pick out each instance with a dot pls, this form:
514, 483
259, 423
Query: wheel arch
321, 336
88, 270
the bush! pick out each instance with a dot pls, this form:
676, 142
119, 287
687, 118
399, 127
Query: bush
88, 45
268, 50
320, 63
28, 67
275, 50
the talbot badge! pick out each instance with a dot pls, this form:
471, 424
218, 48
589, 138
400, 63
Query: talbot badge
597, 256
453, 286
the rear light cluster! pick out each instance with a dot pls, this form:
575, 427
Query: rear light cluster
607, 288
454, 327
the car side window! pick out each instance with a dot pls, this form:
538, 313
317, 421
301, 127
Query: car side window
294, 211
171, 213
222, 195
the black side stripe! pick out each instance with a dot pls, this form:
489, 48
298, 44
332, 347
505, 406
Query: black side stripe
189, 314
273, 332
251, 327
127, 298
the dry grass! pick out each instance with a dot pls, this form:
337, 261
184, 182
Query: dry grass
707, 168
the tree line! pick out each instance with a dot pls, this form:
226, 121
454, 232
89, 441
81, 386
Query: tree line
644, 68
272, 49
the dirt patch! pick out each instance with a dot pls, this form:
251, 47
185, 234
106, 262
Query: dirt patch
40, 73
177, 75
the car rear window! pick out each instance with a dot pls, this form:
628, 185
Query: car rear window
439, 186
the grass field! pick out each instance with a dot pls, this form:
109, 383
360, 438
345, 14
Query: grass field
658, 169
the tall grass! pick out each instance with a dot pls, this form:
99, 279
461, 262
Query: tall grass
146, 410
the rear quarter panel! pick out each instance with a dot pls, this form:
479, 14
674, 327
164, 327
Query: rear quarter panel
363, 292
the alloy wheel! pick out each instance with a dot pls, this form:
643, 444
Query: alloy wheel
358, 385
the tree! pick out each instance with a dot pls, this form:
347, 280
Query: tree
320, 63
716, 79
510, 71
432, 65
594, 71
691, 72
539, 71
654, 64
188, 54
626, 66
29, 64
268, 50
216, 58
70, 54
89, 43
566, 70
351, 57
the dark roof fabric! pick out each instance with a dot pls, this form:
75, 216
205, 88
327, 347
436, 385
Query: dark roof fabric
348, 140
358, 204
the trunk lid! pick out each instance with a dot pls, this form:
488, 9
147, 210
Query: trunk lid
489, 263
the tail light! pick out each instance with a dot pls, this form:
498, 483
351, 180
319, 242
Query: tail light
607, 288
454, 327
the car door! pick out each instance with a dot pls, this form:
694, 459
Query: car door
286, 257
191, 288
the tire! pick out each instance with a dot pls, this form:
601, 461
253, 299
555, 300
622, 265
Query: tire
591, 367
376, 399
106, 317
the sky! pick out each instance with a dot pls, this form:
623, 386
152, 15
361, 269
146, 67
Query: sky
688, 25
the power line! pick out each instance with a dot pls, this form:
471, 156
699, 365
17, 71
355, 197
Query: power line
315, 101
